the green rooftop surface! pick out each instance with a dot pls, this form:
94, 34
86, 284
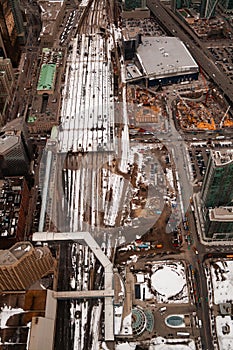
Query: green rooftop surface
31, 119
46, 79
46, 49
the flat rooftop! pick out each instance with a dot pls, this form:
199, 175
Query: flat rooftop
165, 56
222, 157
47, 77
11, 256
50, 9
8, 142
221, 214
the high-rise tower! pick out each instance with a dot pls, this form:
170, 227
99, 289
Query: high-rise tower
217, 189
6, 87
226, 5
217, 195
15, 149
12, 29
2, 47
18, 19
22, 265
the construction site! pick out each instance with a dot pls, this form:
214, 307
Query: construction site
202, 111
153, 115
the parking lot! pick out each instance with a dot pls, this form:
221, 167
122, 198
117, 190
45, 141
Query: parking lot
223, 59
147, 26
198, 158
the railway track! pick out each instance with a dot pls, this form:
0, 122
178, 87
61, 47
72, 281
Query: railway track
86, 149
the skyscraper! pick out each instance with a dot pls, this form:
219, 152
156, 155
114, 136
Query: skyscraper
15, 150
219, 223
22, 265
2, 47
14, 201
11, 28
217, 195
217, 189
226, 5
18, 19
6, 87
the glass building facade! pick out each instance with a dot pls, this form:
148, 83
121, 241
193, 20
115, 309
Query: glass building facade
217, 195
217, 188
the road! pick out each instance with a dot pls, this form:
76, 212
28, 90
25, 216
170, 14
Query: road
177, 147
63, 332
198, 261
202, 292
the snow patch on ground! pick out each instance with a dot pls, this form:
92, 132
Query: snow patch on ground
161, 343
104, 346
127, 325
6, 313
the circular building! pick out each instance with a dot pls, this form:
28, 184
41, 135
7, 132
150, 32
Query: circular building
167, 282
138, 321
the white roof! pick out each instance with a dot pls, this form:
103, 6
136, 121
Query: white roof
140, 277
222, 287
161, 56
225, 339
167, 281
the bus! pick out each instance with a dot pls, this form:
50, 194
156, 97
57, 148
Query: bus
182, 334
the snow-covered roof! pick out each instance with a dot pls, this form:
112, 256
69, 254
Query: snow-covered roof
6, 312
222, 279
224, 326
164, 273
140, 277
221, 273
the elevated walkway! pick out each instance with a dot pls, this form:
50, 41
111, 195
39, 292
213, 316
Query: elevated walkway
84, 294
107, 293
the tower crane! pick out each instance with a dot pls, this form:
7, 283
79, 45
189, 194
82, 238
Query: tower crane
223, 118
